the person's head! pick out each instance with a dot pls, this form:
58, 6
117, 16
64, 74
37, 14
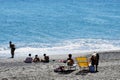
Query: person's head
97, 54
70, 55
10, 42
44, 54
92, 57
29, 54
36, 56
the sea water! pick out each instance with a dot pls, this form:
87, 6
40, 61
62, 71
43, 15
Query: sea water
59, 26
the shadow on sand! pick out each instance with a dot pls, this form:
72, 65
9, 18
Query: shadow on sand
84, 72
65, 72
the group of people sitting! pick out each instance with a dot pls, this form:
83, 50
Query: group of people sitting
93, 60
29, 59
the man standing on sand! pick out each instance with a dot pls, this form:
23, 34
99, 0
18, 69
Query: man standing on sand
12, 47
97, 61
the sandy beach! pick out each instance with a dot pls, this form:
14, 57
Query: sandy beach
16, 69
58, 28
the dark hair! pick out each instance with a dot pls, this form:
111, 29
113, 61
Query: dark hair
36, 55
70, 55
10, 42
29, 54
44, 54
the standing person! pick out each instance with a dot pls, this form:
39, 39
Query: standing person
12, 47
96, 61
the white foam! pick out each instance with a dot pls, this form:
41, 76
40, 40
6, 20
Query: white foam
65, 47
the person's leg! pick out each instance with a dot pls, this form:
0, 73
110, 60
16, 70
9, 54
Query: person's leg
96, 68
12, 53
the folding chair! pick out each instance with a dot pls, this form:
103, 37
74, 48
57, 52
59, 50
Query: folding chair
82, 62
73, 67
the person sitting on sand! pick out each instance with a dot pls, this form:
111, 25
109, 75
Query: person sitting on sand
70, 61
36, 59
28, 59
46, 58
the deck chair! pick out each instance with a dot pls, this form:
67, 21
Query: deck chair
82, 62
73, 67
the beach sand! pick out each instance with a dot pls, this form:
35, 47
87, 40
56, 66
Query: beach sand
16, 69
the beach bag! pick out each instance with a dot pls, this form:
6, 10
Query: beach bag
92, 68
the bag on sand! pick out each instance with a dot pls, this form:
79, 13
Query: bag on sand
92, 68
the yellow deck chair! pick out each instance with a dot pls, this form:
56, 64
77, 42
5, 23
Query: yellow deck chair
82, 62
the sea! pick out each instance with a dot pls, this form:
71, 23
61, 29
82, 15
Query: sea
59, 26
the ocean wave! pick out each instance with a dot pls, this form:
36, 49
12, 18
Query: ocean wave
65, 47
